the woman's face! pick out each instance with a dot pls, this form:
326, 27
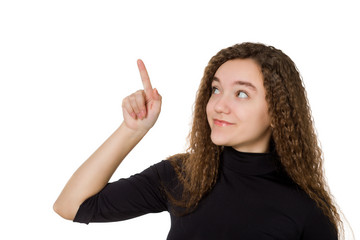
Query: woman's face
237, 111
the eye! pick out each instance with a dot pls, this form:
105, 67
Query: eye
215, 90
242, 94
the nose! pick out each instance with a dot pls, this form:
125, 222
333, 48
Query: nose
221, 105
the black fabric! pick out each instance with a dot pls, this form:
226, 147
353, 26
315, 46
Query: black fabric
252, 199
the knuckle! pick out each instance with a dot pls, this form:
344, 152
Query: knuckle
128, 107
140, 99
124, 102
132, 97
134, 106
139, 95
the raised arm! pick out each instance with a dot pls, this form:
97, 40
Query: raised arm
140, 110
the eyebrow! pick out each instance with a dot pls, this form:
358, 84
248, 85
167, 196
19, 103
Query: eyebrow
239, 82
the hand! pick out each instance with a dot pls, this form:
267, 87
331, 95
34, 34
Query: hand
142, 108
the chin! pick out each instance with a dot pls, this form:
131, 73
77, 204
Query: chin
220, 141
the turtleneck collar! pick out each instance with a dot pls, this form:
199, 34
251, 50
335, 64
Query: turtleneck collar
246, 163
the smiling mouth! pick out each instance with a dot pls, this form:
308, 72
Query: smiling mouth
222, 123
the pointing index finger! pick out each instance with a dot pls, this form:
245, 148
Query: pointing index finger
144, 76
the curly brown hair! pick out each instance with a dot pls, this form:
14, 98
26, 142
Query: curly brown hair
293, 135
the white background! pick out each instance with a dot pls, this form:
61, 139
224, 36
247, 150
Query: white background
65, 67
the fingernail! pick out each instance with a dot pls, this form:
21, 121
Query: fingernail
143, 113
133, 115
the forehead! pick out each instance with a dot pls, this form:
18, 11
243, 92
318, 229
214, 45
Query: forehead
245, 70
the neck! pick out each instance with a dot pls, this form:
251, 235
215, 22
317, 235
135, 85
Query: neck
253, 149
248, 163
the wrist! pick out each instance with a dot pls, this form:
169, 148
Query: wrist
133, 133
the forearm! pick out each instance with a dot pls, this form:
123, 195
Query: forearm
96, 171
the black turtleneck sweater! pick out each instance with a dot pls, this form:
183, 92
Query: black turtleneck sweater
252, 199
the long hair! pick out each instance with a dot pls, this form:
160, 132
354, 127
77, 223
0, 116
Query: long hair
293, 134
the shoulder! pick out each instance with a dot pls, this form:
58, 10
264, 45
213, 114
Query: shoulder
317, 225
311, 220
169, 166
166, 170
314, 223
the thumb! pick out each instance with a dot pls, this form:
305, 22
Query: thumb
156, 95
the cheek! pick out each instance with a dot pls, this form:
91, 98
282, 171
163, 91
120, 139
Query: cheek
208, 111
209, 108
257, 117
264, 117
265, 113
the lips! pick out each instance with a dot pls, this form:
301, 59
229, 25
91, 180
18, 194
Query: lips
222, 123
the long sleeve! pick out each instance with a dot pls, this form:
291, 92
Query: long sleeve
137, 195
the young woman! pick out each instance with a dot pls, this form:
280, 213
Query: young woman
253, 169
